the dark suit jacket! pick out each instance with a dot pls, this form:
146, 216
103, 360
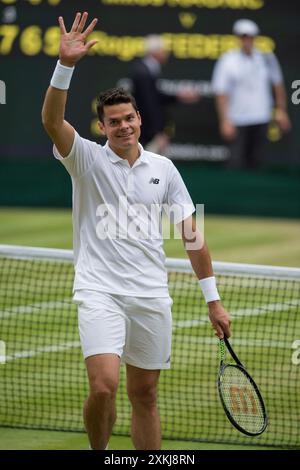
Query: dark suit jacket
150, 101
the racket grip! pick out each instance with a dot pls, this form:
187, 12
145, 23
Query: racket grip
222, 350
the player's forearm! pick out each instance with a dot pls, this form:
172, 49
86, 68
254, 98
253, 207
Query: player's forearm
202, 266
222, 107
280, 97
53, 111
199, 255
201, 262
196, 248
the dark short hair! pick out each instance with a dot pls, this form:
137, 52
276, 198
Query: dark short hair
111, 97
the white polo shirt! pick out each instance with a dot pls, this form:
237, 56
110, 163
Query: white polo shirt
117, 209
247, 80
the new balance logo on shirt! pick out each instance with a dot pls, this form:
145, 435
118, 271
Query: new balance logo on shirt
154, 181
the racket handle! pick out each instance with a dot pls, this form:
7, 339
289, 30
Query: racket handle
233, 355
222, 350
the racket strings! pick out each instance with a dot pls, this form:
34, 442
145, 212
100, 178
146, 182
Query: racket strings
241, 399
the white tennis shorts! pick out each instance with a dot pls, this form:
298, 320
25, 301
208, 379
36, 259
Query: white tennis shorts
137, 329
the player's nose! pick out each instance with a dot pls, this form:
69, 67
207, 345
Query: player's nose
124, 124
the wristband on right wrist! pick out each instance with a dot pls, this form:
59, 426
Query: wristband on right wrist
209, 289
61, 77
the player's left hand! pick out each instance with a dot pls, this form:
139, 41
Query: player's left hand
219, 318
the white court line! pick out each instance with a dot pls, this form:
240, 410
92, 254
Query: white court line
275, 307
38, 351
242, 312
211, 341
34, 308
253, 343
263, 309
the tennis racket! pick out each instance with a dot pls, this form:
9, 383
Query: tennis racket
239, 394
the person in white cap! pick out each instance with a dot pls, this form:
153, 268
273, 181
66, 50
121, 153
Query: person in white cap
246, 83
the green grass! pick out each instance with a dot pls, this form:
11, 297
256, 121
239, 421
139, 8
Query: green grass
235, 239
20, 439
190, 410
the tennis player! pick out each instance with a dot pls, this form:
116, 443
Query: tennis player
120, 285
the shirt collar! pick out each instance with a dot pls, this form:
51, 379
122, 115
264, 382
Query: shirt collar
114, 158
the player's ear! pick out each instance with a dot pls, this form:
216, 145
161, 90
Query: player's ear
101, 127
139, 116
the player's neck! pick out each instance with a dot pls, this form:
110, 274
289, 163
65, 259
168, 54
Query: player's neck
130, 154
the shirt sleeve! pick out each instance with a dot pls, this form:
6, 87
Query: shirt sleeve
274, 68
179, 204
80, 158
221, 77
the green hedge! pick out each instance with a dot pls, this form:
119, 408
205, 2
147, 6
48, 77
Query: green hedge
45, 183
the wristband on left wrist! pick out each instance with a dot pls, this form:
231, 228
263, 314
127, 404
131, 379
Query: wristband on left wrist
209, 289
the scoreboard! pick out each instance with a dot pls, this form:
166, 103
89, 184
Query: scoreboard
197, 33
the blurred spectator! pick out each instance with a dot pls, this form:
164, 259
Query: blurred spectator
246, 83
150, 100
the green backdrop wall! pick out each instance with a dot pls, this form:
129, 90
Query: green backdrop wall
267, 193
197, 31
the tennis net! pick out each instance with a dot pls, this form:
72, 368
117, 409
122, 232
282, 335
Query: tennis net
43, 380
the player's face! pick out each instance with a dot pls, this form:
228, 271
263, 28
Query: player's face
122, 125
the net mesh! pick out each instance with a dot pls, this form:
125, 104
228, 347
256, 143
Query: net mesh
241, 400
43, 380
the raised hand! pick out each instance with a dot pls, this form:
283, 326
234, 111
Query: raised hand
73, 45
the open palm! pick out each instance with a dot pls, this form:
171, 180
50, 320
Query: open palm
73, 45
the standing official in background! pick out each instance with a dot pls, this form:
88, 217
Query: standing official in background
151, 101
246, 83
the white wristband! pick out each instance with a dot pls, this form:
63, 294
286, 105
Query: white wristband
209, 289
61, 77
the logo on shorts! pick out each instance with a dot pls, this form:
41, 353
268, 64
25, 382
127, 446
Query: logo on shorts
154, 181
168, 360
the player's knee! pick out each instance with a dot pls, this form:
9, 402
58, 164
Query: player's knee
143, 395
103, 390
